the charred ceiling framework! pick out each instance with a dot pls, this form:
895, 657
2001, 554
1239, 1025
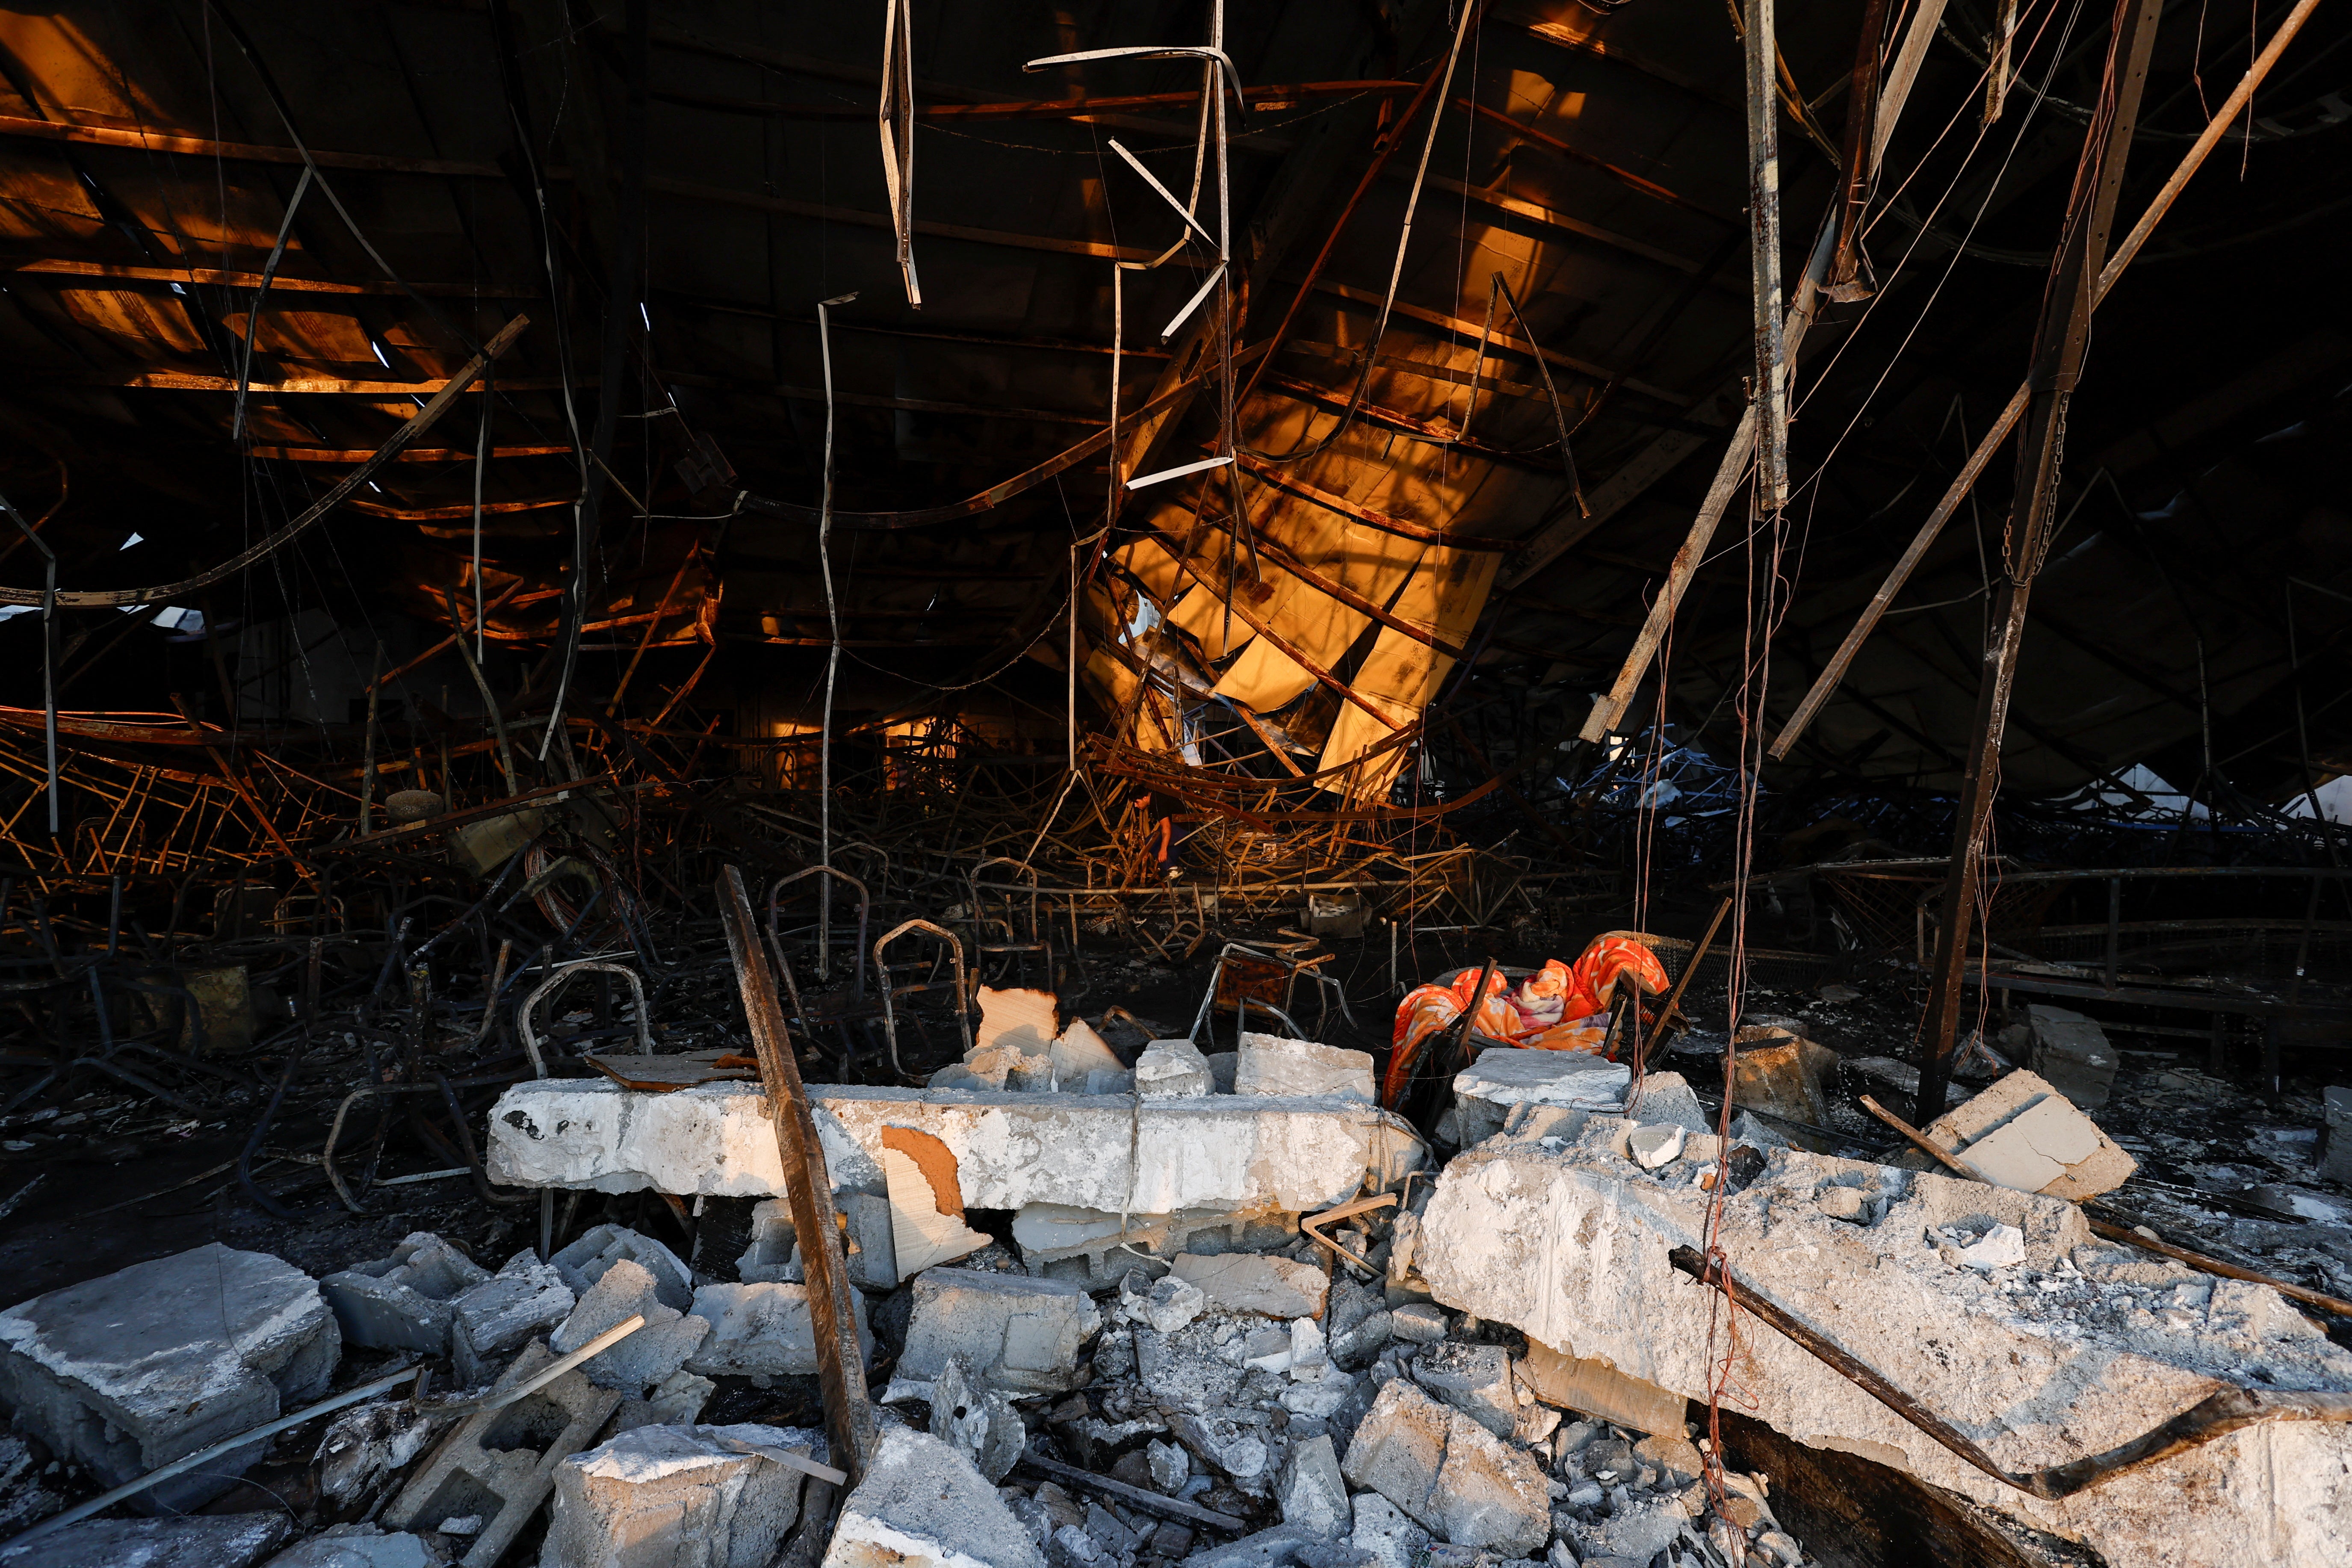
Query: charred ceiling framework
811, 523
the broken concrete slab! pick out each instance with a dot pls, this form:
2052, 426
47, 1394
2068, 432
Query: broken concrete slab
677, 1496
497, 1466
1172, 1070
1311, 1493
2024, 1134
1485, 1091
197, 1540
2071, 1053
625, 1290
1272, 1064
129, 1372
1014, 1333
1450, 1473
402, 1301
584, 1263
357, 1546
2335, 1163
759, 1330
977, 1422
1570, 1246
921, 1504
1474, 1379
493, 1320
1058, 1241
1382, 1528
772, 1255
1257, 1282
1240, 1154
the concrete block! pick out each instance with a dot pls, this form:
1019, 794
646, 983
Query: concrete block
357, 1546
762, 1331
1014, 1333
651, 1353
129, 1372
1784, 1074
2336, 1161
921, 1504
493, 1320
1474, 1379
1311, 1492
1058, 1241
584, 1263
677, 1496
2021, 1133
1486, 1090
201, 1541
1172, 1070
402, 1301
976, 1421
497, 1465
1596, 1388
1381, 1529
2046, 1362
1450, 1473
2071, 1053
1241, 1153
1256, 1283
1270, 1064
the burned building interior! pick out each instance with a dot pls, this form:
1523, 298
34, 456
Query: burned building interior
1333, 784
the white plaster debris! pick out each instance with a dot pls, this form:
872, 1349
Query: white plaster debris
922, 1505
1233, 1153
1273, 1064
677, 1496
2077, 1348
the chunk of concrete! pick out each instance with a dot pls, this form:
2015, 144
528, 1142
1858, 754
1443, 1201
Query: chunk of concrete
772, 1256
1450, 1473
1382, 1530
197, 1540
1239, 1154
2024, 1134
1570, 1246
129, 1372
2071, 1053
978, 1423
357, 1546
1783, 1074
677, 1496
1474, 1379
648, 1355
2335, 1163
921, 1504
1166, 1304
493, 1320
1257, 1282
402, 1301
1656, 1145
762, 1331
584, 1263
497, 1466
1015, 1333
1502, 1078
365, 1444
1311, 1492
1172, 1070
1417, 1323
1271, 1064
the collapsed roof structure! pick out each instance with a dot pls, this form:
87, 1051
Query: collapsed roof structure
567, 569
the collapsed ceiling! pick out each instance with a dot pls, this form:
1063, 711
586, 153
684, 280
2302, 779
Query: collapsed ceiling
248, 241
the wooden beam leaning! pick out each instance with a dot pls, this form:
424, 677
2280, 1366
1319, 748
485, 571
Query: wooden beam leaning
2215, 129
808, 1188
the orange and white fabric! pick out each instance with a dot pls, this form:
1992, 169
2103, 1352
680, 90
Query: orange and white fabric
1560, 1007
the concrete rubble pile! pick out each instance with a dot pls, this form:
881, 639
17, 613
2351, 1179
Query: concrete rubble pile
1100, 1333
